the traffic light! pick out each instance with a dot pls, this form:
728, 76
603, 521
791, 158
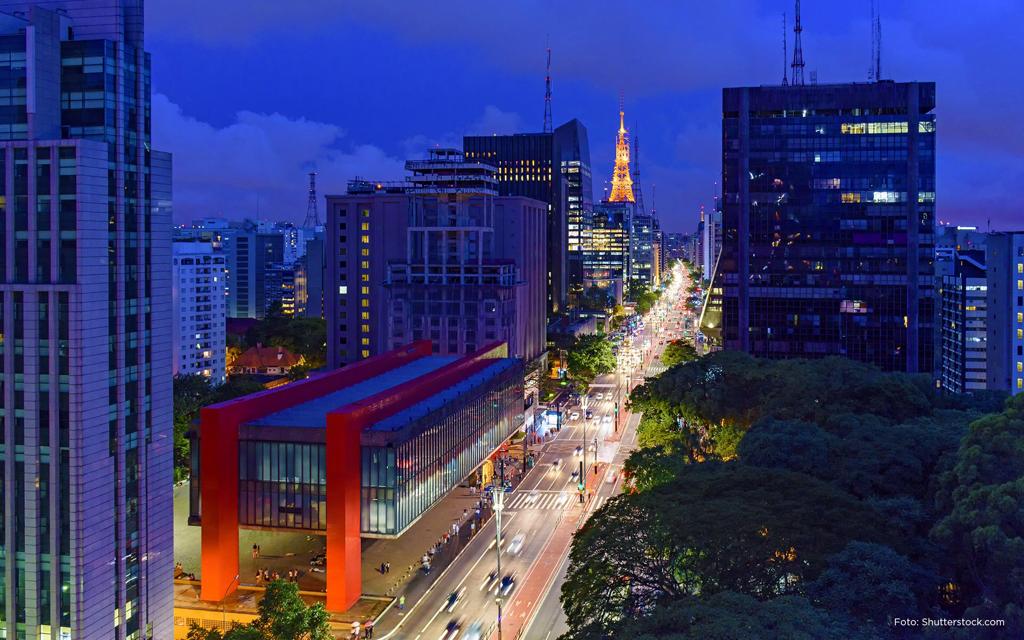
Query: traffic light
616, 408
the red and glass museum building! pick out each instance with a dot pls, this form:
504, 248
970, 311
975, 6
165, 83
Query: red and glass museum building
361, 451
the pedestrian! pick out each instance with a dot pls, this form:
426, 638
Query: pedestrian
401, 602
355, 629
465, 513
368, 629
387, 567
259, 576
381, 568
255, 552
472, 529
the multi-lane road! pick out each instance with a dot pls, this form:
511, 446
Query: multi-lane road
462, 599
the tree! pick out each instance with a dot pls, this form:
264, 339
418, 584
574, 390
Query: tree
873, 584
981, 499
649, 467
734, 616
716, 527
590, 356
283, 615
189, 393
678, 352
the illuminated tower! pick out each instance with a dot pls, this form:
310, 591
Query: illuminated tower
622, 183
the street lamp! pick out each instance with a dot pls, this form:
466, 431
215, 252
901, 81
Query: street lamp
224, 605
498, 496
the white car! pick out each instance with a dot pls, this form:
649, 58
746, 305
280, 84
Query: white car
599, 396
532, 497
578, 452
516, 544
575, 415
474, 632
562, 498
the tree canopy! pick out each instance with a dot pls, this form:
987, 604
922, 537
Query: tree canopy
805, 499
590, 356
678, 352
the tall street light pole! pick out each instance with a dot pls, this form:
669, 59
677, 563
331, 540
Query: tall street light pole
498, 496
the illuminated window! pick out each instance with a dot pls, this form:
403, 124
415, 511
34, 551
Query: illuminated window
365, 277
1020, 334
365, 264
366, 213
849, 198
365, 353
365, 303
1020, 285
365, 291
366, 315
365, 342
1020, 317
926, 127
366, 226
1020, 367
365, 328
365, 252
1020, 383
342, 289
1020, 267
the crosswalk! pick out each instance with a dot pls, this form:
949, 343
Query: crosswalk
548, 500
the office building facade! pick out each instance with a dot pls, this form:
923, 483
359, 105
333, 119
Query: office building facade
198, 311
86, 459
439, 257
1005, 275
963, 334
553, 168
828, 222
606, 256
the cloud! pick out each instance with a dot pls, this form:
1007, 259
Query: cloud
258, 161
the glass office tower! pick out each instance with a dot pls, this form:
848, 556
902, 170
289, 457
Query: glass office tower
553, 168
85, 334
828, 222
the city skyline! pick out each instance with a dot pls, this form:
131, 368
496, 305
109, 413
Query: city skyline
671, 66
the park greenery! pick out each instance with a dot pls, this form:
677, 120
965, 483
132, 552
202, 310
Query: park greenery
303, 336
806, 499
283, 615
588, 357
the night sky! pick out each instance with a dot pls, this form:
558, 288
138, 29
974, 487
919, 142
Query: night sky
250, 95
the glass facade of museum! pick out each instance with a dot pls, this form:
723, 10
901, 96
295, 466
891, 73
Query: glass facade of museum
282, 485
435, 447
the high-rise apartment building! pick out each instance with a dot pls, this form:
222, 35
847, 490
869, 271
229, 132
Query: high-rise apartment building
553, 168
199, 311
440, 257
309, 278
85, 354
963, 334
828, 222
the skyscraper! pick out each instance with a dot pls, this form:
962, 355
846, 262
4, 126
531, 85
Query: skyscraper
828, 222
553, 168
85, 268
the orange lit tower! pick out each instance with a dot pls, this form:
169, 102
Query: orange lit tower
622, 182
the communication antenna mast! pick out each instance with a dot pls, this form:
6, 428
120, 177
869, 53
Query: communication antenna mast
785, 52
312, 216
637, 192
878, 44
547, 95
798, 50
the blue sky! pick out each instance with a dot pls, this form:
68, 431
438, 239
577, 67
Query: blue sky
250, 95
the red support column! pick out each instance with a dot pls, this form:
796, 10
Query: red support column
218, 462
344, 551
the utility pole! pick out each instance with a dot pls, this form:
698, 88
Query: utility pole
498, 496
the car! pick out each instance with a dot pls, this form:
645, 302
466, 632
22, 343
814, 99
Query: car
532, 497
488, 581
506, 585
578, 452
562, 498
606, 420
575, 415
475, 631
557, 464
453, 599
590, 414
516, 544
599, 396
451, 630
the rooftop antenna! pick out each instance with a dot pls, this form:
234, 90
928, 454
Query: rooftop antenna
874, 45
312, 216
635, 157
878, 44
547, 94
798, 51
785, 52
